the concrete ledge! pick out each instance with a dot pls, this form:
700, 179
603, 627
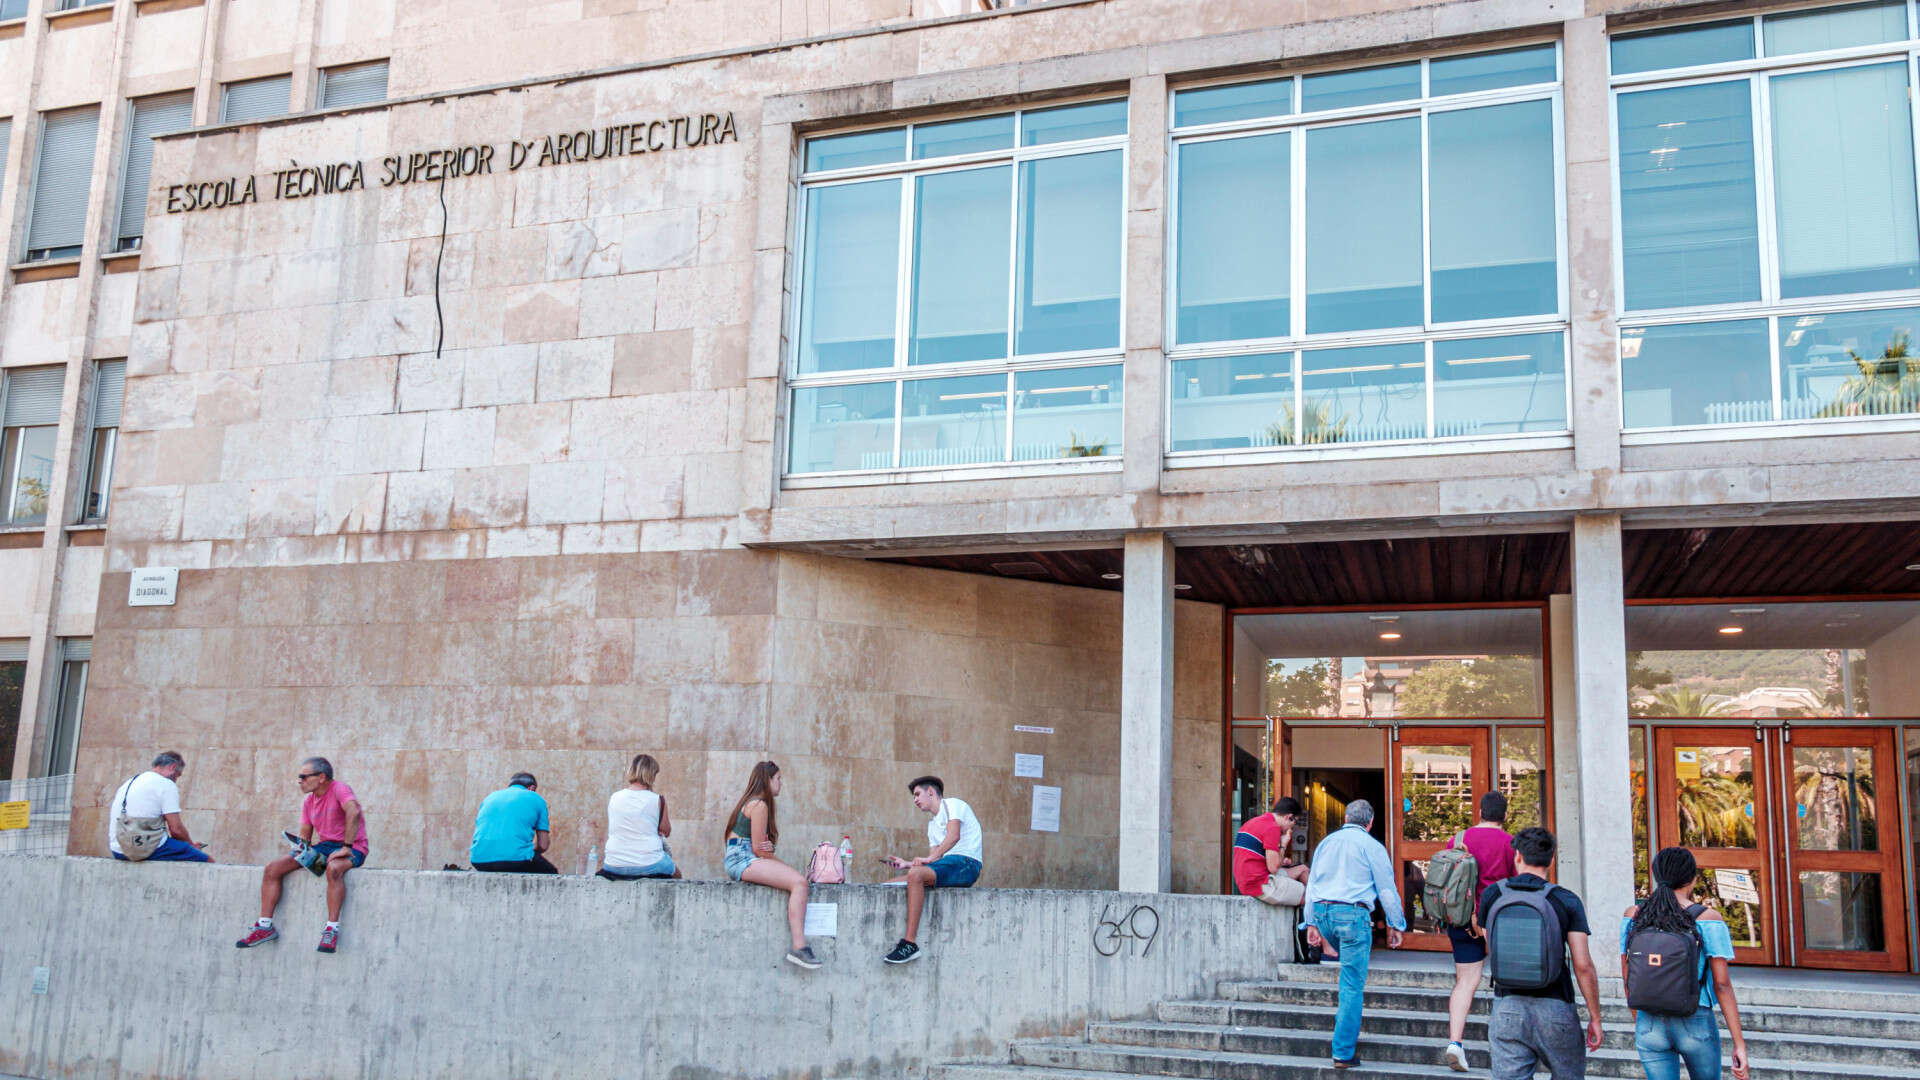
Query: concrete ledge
463, 974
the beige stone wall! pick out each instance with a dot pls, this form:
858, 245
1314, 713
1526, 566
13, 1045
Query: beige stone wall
427, 683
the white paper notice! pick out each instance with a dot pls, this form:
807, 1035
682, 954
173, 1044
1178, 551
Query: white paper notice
1031, 730
1029, 765
823, 920
1046, 809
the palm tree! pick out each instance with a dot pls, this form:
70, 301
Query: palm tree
1714, 811
1888, 383
1682, 701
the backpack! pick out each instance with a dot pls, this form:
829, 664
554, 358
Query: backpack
1664, 970
1526, 942
823, 866
1453, 884
139, 837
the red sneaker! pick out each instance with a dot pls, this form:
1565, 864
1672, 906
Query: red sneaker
259, 935
329, 939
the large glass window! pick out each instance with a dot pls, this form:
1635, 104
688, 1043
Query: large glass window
32, 426
1752, 195
983, 255
1385, 236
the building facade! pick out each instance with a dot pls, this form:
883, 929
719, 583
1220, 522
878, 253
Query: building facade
1363, 400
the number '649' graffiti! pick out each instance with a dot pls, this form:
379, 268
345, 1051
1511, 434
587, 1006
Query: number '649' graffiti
1139, 926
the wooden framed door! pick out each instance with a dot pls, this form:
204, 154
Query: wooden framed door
1435, 777
1712, 798
1841, 861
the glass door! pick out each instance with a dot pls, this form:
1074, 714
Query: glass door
1437, 775
1710, 803
1842, 853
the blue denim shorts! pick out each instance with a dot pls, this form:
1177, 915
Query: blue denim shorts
954, 872
325, 850
739, 856
663, 868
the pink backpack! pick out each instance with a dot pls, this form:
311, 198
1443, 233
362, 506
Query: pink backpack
823, 866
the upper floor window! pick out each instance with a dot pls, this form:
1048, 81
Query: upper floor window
12, 9
959, 295
1768, 236
61, 181
353, 84
75, 5
146, 118
1369, 255
109, 390
6, 141
32, 427
256, 99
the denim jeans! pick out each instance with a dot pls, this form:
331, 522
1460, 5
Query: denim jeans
1349, 929
1665, 1041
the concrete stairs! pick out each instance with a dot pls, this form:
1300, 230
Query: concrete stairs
1279, 1031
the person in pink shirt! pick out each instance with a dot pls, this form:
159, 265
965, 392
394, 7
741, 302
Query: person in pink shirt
1492, 851
333, 816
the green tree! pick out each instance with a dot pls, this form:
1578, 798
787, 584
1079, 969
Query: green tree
1888, 383
1482, 686
1641, 677
1300, 692
1681, 701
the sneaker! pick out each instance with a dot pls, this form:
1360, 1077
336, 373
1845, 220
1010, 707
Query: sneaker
259, 935
1345, 1064
906, 952
803, 957
329, 939
1456, 1057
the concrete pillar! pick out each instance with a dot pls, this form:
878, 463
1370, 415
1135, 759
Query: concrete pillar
1143, 404
1146, 715
1600, 726
1565, 736
1592, 360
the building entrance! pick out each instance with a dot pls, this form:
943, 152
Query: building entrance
1797, 832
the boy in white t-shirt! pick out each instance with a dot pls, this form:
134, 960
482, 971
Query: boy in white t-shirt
153, 794
952, 860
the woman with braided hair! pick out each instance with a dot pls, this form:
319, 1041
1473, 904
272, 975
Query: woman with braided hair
1663, 1042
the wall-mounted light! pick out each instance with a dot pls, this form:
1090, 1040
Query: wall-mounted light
1390, 635
1732, 630
1110, 576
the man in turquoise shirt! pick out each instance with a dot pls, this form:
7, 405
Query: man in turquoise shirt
1350, 870
511, 830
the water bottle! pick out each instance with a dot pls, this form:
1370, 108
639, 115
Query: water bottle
593, 861
846, 858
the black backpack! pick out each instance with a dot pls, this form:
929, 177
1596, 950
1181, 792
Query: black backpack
1526, 940
1664, 970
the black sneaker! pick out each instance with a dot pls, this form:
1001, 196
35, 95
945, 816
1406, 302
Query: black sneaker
803, 957
1346, 1063
906, 952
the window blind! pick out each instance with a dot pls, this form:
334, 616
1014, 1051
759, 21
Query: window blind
64, 177
33, 395
76, 648
256, 99
355, 84
109, 390
13, 651
151, 116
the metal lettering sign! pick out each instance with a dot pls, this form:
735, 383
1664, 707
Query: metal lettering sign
153, 586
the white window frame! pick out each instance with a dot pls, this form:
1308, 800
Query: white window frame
1295, 124
901, 372
1771, 307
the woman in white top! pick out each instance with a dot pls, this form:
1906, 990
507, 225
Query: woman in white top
638, 827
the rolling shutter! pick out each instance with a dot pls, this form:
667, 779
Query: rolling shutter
256, 99
109, 390
64, 177
356, 84
33, 395
76, 648
13, 651
151, 116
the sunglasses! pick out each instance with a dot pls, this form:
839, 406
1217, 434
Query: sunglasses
305, 775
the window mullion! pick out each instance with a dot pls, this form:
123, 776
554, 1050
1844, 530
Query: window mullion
1013, 259
1297, 238
1007, 434
1773, 363
1431, 431
1426, 222
1769, 233
903, 283
899, 419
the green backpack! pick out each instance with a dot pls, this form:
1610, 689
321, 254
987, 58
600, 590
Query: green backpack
1452, 889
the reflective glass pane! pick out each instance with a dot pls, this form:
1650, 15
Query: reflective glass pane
852, 269
1070, 224
13, 684
1834, 28
1367, 394
1642, 831
1492, 222
1070, 122
1689, 227
64, 740
1696, 373
1234, 228
1238, 101
1833, 798
1067, 413
962, 229
1843, 181
1522, 776
1364, 266
1490, 386
1436, 791
1413, 894
1851, 364
1736, 895
1686, 46
1490, 71
839, 428
28, 469
1222, 402
960, 421
1252, 776
971, 136
1367, 86
1714, 795
1842, 911
856, 149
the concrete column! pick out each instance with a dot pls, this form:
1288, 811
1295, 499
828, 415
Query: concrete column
1565, 735
1593, 347
1143, 403
1600, 726
1146, 715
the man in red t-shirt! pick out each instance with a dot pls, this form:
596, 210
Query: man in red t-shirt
1262, 867
1492, 851
331, 842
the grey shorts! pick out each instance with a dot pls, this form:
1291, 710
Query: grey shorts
739, 856
1536, 1034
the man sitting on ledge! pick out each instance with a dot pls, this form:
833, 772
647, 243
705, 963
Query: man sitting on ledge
952, 860
511, 833
331, 811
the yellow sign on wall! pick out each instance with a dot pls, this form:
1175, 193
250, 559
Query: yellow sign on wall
13, 815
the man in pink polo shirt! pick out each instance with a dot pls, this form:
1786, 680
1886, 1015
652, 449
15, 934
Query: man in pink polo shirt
332, 814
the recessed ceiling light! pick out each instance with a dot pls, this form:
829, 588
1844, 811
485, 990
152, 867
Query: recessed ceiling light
1746, 611
1110, 576
1183, 586
1732, 630
1914, 566
1390, 635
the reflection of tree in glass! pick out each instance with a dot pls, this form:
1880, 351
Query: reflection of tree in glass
1300, 692
1888, 383
1320, 426
1435, 813
1713, 810
1739, 916
1835, 788
1642, 849
1523, 801
1476, 686
1681, 701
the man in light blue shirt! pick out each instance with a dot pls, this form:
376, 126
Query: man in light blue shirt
510, 833
1350, 869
